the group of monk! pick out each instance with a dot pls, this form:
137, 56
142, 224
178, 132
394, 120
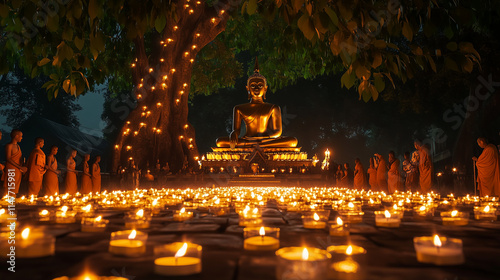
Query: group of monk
387, 175
41, 170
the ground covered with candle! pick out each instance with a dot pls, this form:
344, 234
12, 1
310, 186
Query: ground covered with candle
275, 241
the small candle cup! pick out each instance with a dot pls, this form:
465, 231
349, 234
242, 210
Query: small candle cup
392, 221
37, 244
137, 219
122, 243
250, 217
219, 210
65, 217
316, 219
94, 224
339, 252
455, 218
485, 213
449, 253
423, 212
351, 217
261, 238
178, 259
338, 230
181, 216
44, 215
293, 265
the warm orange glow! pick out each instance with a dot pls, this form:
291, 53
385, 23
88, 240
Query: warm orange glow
305, 254
139, 96
162, 60
129, 148
213, 20
387, 214
454, 169
181, 137
193, 47
140, 213
181, 92
158, 104
191, 146
163, 85
454, 213
182, 251
191, 60
165, 76
186, 54
198, 34
486, 209
222, 12
130, 158
25, 233
183, 210
132, 235
169, 40
150, 70
176, 27
316, 217
185, 85
133, 64
158, 131
142, 124
140, 85
98, 219
191, 11
437, 241
172, 70
348, 251
262, 231
186, 126
116, 146
177, 101
128, 122
153, 88
186, 6
136, 132
340, 222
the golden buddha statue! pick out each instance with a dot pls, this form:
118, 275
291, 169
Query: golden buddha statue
262, 120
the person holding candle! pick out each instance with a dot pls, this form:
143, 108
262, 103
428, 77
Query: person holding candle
14, 156
86, 176
372, 175
36, 168
51, 180
381, 174
488, 169
394, 180
425, 167
96, 175
70, 180
359, 175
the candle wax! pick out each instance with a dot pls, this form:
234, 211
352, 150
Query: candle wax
261, 243
314, 224
388, 222
36, 245
169, 266
127, 247
455, 221
443, 256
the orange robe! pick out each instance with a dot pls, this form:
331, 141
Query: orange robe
425, 169
382, 176
36, 169
70, 182
86, 179
372, 173
488, 171
51, 181
13, 184
360, 177
96, 178
394, 181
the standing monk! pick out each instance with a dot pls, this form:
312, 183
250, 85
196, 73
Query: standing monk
381, 174
96, 175
394, 181
86, 176
488, 169
13, 164
70, 181
425, 167
372, 173
36, 168
359, 175
51, 180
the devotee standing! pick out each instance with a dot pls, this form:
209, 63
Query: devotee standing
36, 168
488, 169
372, 173
425, 167
86, 176
51, 180
338, 175
381, 174
70, 181
394, 182
359, 175
96, 175
13, 164
348, 176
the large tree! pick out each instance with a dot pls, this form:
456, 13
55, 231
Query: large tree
150, 47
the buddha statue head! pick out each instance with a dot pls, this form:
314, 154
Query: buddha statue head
256, 84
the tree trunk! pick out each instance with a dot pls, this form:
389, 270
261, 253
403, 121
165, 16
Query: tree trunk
158, 128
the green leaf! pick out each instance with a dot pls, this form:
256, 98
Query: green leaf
306, 26
332, 15
66, 85
252, 7
379, 83
43, 61
67, 33
79, 42
160, 23
347, 80
297, 5
377, 60
53, 23
407, 31
93, 6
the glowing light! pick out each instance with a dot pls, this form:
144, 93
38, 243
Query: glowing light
262, 231
169, 40
150, 70
305, 254
454, 213
486, 209
316, 217
162, 60
153, 88
25, 233
198, 35
98, 219
176, 27
117, 147
184, 85
183, 210
191, 60
133, 64
181, 92
191, 11
193, 47
132, 235
165, 76
213, 20
348, 251
186, 126
140, 85
139, 96
129, 148
339, 221
177, 101
437, 241
158, 104
186, 54
163, 85
387, 214
140, 213
172, 70
182, 251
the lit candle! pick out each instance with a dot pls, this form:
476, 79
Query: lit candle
302, 263
31, 244
386, 219
267, 239
485, 213
339, 228
94, 224
180, 264
347, 266
128, 243
455, 218
315, 221
183, 215
439, 250
138, 220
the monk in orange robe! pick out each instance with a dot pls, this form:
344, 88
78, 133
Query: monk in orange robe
36, 168
488, 169
381, 174
14, 165
425, 167
359, 175
51, 180
372, 175
86, 176
394, 178
70, 180
96, 175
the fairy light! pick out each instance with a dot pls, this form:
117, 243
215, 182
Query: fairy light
172, 70
153, 88
186, 6
181, 137
140, 85
184, 85
191, 60
142, 124
150, 70
161, 59
191, 11
129, 148
213, 20
186, 126
186, 54
177, 101
158, 131
144, 108
169, 40
136, 132
181, 92
165, 77
133, 64
176, 27
128, 122
163, 85
158, 104
198, 35
116, 146
148, 113
139, 96
222, 12
194, 47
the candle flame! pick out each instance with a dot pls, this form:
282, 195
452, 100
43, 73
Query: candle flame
316, 217
454, 213
140, 213
487, 209
2, 211
98, 219
44, 212
305, 254
25, 233
262, 231
183, 210
255, 210
182, 251
339, 221
87, 208
437, 241
350, 205
422, 208
348, 251
387, 214
395, 207
132, 235
64, 208
87, 278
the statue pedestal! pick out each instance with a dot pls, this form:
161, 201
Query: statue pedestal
269, 160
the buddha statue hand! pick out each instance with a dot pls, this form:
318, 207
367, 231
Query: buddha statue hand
233, 139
